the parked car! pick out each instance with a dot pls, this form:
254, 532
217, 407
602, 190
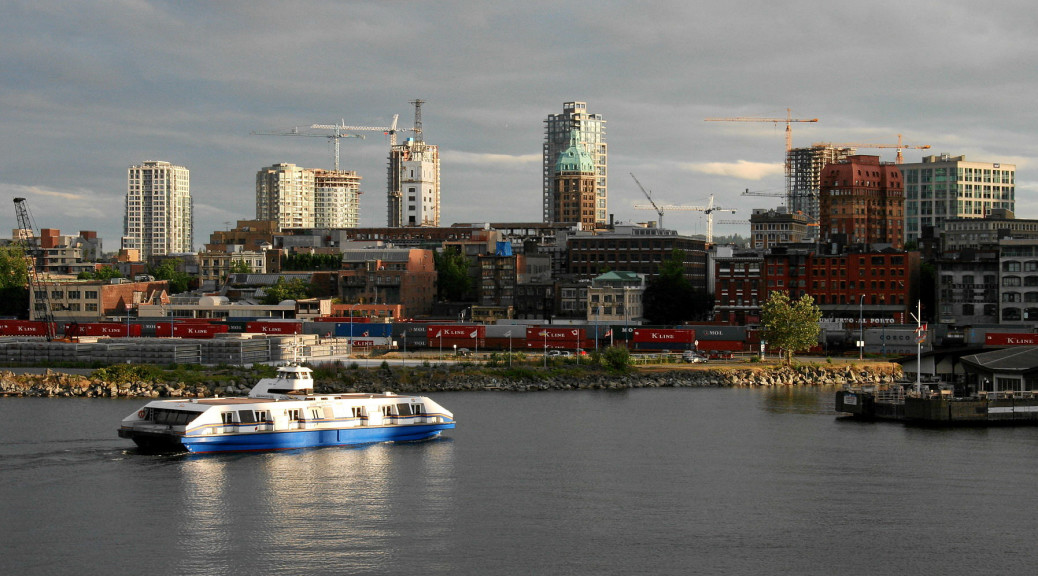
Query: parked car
554, 353
694, 357
464, 352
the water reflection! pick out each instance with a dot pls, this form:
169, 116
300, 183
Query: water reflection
799, 399
326, 509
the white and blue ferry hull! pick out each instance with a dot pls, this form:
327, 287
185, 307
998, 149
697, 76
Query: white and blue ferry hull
293, 439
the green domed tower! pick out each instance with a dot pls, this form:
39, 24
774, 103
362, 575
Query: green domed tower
574, 191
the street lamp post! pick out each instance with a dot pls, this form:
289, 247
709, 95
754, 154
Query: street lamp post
861, 328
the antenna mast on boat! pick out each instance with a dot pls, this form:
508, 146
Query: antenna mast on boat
920, 336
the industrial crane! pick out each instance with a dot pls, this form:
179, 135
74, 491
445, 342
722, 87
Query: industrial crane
651, 201
708, 209
336, 134
390, 130
900, 146
788, 120
34, 255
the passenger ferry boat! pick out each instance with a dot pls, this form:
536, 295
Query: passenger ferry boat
281, 413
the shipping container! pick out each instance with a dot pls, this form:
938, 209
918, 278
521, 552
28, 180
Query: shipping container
111, 329
347, 329
1010, 339
460, 331
550, 333
679, 338
274, 327
370, 342
24, 328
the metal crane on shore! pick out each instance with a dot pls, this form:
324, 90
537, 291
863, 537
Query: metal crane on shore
651, 201
33, 256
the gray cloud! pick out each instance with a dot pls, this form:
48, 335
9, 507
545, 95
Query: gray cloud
92, 88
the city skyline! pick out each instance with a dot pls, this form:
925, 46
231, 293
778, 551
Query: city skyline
91, 90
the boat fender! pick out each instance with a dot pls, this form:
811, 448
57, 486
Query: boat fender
141, 413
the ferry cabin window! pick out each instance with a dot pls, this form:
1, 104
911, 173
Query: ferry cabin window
315, 414
246, 416
358, 412
403, 409
293, 414
227, 417
174, 417
263, 415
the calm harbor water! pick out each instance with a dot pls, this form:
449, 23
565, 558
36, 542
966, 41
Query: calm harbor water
664, 481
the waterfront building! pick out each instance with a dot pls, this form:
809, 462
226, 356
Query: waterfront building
414, 185
94, 300
862, 203
944, 187
405, 276
968, 287
558, 129
159, 217
738, 285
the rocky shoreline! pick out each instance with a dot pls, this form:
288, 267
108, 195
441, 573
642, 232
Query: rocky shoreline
453, 379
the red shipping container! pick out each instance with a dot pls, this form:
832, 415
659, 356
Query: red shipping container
274, 327
662, 335
553, 333
23, 328
1010, 339
459, 331
198, 330
450, 343
112, 329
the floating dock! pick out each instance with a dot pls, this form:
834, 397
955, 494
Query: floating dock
938, 408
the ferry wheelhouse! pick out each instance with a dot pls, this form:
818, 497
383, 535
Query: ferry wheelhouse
282, 413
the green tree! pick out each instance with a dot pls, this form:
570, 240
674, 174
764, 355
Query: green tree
167, 270
240, 267
790, 326
14, 281
452, 275
294, 289
669, 297
102, 273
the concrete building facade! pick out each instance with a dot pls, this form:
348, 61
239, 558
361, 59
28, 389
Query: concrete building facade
557, 138
159, 216
777, 226
414, 185
943, 187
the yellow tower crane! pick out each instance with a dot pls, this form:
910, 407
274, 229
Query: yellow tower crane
900, 146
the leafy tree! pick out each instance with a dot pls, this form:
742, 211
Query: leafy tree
617, 358
102, 273
294, 289
14, 281
240, 267
668, 297
167, 270
452, 272
790, 326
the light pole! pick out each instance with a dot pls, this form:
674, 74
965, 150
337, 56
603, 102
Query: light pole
349, 342
861, 327
455, 352
598, 319
545, 334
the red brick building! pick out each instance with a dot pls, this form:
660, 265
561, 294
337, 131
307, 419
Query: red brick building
862, 201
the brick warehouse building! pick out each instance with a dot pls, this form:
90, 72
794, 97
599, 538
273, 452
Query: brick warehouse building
861, 202
887, 279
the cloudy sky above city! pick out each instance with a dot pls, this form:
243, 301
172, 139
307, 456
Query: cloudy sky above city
91, 88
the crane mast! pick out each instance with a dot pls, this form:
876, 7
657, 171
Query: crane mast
651, 201
33, 255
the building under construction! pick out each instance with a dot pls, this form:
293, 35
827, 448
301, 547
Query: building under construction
413, 180
805, 169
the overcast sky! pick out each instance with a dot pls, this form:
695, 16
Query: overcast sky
90, 88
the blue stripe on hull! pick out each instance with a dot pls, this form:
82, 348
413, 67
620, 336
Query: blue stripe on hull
310, 438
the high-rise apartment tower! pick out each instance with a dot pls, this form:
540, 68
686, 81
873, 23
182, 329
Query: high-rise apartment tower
159, 216
591, 134
862, 202
297, 197
943, 187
